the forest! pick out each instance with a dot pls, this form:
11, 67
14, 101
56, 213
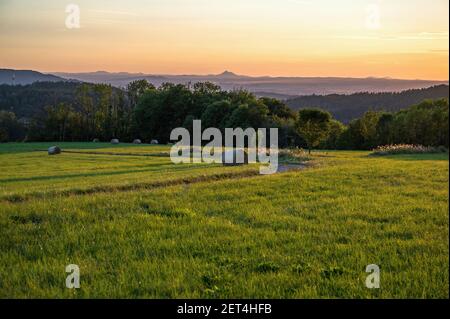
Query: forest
83, 112
346, 107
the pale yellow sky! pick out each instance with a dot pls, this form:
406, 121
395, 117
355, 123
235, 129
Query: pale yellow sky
358, 38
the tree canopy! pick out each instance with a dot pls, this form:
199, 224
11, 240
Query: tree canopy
313, 125
81, 112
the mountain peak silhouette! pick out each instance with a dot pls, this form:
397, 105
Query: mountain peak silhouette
227, 74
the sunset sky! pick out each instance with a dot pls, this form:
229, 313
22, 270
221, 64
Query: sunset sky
252, 37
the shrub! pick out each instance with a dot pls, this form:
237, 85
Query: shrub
407, 149
293, 155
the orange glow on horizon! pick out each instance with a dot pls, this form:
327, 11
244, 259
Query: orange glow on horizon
409, 39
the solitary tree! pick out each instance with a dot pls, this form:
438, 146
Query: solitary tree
313, 125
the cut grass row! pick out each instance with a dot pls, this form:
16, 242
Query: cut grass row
35, 174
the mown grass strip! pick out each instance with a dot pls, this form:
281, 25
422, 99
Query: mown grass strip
16, 198
163, 154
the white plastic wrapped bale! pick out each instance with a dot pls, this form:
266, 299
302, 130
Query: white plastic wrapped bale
54, 150
234, 157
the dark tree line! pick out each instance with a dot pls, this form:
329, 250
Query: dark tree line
27, 101
353, 106
423, 124
83, 112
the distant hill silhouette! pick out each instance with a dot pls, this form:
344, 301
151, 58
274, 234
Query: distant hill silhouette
348, 107
24, 77
282, 87
30, 100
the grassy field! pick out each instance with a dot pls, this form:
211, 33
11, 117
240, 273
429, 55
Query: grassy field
140, 227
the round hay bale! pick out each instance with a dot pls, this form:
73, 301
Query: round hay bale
154, 142
115, 141
95, 140
54, 150
137, 141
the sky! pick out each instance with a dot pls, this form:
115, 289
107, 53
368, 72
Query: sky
350, 38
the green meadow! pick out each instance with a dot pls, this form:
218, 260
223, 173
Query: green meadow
139, 226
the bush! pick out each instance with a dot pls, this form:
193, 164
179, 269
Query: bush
407, 149
293, 155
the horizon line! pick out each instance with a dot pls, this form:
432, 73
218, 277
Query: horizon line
231, 72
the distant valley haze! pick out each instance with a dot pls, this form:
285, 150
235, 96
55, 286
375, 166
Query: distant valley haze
272, 86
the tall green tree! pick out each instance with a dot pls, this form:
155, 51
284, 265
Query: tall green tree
216, 114
313, 125
332, 141
136, 89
